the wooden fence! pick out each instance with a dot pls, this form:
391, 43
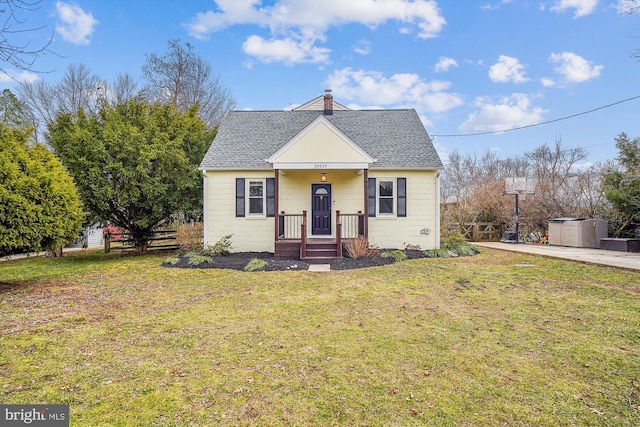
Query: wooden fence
162, 239
479, 231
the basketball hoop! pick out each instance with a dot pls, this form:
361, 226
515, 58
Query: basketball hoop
522, 194
520, 186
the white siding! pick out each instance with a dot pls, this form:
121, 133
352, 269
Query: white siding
248, 233
421, 225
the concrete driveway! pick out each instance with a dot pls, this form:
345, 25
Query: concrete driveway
627, 260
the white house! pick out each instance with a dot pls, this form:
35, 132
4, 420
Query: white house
301, 182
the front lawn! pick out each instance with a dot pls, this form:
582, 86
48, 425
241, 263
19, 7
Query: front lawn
495, 339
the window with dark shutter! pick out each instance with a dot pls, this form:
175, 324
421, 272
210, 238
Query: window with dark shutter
271, 197
239, 197
371, 196
402, 196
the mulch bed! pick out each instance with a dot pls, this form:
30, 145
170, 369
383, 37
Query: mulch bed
238, 260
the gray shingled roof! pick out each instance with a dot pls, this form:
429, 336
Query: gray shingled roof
396, 138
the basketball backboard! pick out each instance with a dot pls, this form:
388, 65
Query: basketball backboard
519, 185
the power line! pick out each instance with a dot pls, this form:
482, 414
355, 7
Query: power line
541, 123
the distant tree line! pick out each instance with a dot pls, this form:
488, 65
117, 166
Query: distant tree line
179, 77
125, 153
473, 188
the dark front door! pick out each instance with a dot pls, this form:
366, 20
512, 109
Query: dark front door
321, 209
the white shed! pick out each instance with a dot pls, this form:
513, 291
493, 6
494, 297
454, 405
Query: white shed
577, 232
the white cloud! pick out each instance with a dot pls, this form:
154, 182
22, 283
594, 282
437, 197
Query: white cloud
22, 76
372, 88
493, 6
444, 64
510, 112
232, 12
307, 22
547, 82
507, 69
286, 50
363, 47
574, 68
582, 7
76, 25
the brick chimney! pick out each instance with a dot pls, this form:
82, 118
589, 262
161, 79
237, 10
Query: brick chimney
328, 102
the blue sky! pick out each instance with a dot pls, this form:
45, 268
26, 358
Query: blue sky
466, 66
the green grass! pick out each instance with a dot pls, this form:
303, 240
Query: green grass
495, 339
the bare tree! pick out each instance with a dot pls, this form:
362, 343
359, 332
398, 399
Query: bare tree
629, 7
79, 89
554, 168
13, 53
183, 78
472, 190
38, 99
586, 190
124, 89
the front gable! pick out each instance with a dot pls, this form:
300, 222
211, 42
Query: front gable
320, 145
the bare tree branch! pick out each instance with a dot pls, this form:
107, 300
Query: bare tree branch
14, 54
183, 79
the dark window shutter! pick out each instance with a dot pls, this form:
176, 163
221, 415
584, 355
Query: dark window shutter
239, 197
402, 196
371, 196
271, 197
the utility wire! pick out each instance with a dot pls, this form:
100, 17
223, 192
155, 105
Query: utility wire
541, 123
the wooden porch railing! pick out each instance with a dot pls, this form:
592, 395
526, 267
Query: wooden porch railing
290, 226
352, 224
349, 226
294, 227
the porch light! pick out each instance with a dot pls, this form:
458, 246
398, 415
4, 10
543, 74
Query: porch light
323, 176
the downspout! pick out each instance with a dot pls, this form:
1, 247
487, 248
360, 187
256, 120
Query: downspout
205, 202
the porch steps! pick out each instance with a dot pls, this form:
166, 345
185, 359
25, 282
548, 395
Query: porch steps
321, 250
318, 251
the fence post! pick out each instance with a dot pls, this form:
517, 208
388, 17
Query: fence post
107, 243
